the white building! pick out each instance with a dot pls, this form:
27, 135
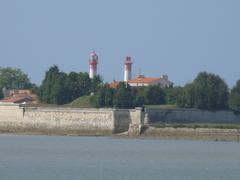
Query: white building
148, 81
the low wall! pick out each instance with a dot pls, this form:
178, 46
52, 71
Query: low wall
191, 116
63, 120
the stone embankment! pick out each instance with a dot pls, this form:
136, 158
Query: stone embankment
193, 134
179, 115
130, 123
74, 121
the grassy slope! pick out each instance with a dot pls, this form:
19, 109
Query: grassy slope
81, 102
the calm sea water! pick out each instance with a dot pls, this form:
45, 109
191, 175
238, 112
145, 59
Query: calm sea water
104, 158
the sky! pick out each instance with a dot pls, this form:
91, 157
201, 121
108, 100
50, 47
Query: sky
179, 38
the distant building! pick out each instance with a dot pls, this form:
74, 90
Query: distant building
20, 96
141, 80
145, 81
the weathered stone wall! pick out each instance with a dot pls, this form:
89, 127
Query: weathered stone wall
9, 112
122, 119
63, 120
191, 116
87, 120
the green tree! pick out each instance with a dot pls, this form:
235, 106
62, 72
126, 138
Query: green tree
60, 88
185, 98
172, 94
108, 98
122, 97
76, 85
104, 97
52, 89
98, 99
234, 99
84, 83
154, 95
96, 82
72, 86
14, 78
138, 94
1, 93
208, 92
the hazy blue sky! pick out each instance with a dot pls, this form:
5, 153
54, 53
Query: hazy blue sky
174, 37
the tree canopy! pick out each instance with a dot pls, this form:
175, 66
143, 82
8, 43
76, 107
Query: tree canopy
172, 94
12, 78
122, 97
126, 97
208, 92
104, 97
234, 99
154, 95
1, 94
60, 88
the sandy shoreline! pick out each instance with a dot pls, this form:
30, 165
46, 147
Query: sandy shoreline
212, 134
209, 134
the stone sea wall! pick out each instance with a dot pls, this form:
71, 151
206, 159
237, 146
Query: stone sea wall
191, 116
76, 121
64, 120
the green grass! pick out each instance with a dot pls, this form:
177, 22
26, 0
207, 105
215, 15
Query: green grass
197, 125
81, 102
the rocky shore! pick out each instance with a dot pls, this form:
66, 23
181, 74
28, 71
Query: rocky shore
193, 134
209, 134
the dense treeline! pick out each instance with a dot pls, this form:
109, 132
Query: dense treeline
125, 96
207, 91
61, 88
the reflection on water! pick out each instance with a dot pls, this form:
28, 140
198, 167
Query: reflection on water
103, 158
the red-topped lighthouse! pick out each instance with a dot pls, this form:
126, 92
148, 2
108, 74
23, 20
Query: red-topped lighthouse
128, 69
93, 61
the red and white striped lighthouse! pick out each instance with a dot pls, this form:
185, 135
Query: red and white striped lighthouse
93, 64
128, 69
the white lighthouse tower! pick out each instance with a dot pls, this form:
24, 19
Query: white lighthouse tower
93, 61
128, 69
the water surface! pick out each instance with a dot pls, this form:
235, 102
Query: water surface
104, 158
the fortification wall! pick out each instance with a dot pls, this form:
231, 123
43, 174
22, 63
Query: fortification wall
63, 120
191, 116
9, 112
72, 120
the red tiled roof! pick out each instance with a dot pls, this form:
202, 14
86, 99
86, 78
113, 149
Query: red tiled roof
143, 79
16, 99
20, 96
